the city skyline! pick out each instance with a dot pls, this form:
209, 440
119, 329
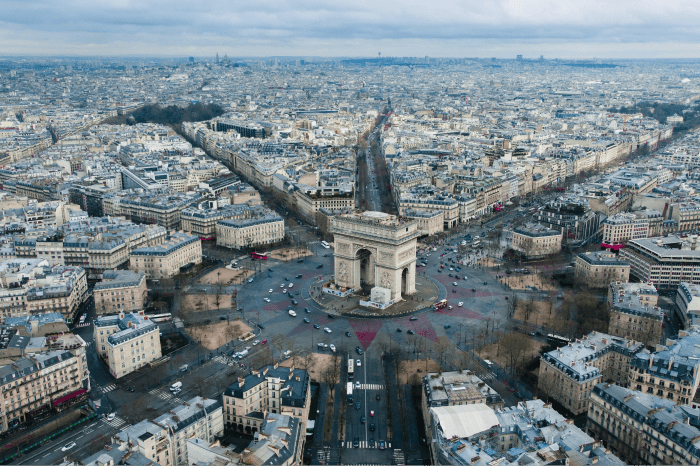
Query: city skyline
502, 29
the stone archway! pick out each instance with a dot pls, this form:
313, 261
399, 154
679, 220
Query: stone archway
365, 272
375, 249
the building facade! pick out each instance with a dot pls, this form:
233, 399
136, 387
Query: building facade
166, 259
634, 313
568, 374
126, 342
534, 241
120, 291
271, 389
598, 269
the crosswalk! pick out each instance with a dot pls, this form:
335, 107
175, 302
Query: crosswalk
89, 343
163, 395
364, 444
116, 422
488, 376
371, 386
224, 360
109, 388
84, 324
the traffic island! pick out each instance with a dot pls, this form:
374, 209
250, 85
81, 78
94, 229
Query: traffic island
350, 305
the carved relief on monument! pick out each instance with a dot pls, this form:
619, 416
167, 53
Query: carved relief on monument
407, 253
385, 279
385, 256
343, 248
342, 272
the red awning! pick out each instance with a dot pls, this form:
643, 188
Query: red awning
70, 396
614, 247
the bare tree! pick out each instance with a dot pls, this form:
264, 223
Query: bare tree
443, 345
515, 346
513, 304
233, 332
384, 344
528, 309
279, 342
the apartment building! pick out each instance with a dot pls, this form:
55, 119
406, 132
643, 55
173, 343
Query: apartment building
430, 222
165, 260
534, 241
687, 215
164, 439
672, 371
31, 286
54, 378
620, 228
271, 389
308, 203
644, 429
159, 206
634, 313
573, 217
109, 253
449, 207
126, 342
665, 262
598, 269
249, 231
688, 304
568, 374
120, 291
530, 433
456, 388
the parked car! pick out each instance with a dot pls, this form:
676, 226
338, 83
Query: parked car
68, 446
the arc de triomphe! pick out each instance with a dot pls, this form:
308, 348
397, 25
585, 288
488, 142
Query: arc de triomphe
375, 248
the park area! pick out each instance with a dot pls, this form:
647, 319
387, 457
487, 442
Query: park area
318, 366
507, 353
205, 302
522, 282
225, 276
213, 336
413, 371
286, 254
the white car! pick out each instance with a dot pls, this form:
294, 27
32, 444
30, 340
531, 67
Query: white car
292, 313
451, 269
110, 416
270, 290
267, 300
291, 285
250, 280
68, 446
460, 304
359, 363
282, 285
357, 384
327, 330
332, 346
255, 343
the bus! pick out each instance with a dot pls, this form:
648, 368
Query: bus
258, 255
557, 341
349, 392
440, 304
325, 245
351, 369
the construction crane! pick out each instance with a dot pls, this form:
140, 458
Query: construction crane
624, 124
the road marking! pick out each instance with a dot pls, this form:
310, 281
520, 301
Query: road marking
80, 437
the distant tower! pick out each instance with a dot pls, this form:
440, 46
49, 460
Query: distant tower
217, 58
380, 55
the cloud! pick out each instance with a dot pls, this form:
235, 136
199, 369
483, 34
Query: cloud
309, 27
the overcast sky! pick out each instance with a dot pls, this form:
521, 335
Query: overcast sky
448, 28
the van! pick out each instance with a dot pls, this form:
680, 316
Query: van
287, 354
176, 386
